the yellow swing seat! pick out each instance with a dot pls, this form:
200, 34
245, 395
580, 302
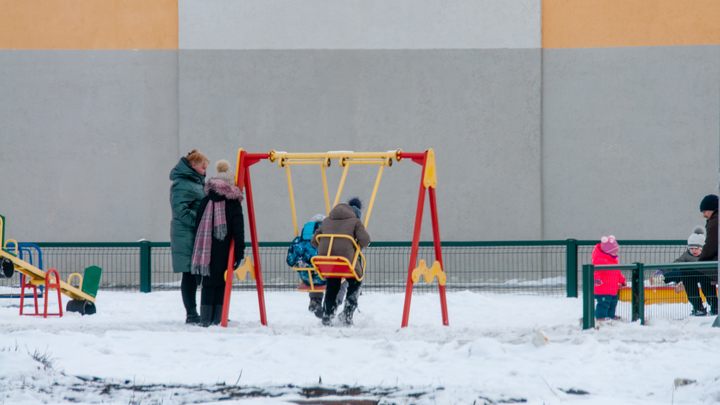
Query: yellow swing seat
329, 266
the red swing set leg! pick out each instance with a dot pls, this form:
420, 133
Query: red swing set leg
245, 160
438, 253
422, 159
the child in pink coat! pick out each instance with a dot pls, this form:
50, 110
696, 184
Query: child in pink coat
607, 282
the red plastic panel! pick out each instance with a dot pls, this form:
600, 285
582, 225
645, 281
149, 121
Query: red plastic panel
333, 267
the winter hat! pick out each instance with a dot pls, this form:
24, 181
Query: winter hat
609, 245
318, 218
356, 205
697, 239
709, 203
224, 173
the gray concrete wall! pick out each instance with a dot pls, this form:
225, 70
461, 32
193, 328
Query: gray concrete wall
87, 142
359, 24
462, 78
479, 110
630, 140
530, 143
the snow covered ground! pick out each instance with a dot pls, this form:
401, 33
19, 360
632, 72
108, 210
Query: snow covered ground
497, 349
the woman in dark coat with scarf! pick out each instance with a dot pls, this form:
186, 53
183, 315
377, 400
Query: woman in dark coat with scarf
186, 192
219, 221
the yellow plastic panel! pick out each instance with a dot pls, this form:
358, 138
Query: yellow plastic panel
429, 273
430, 179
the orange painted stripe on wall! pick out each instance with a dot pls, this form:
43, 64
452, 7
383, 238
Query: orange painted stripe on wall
88, 24
616, 23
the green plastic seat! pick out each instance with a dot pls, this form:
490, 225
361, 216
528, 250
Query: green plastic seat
91, 280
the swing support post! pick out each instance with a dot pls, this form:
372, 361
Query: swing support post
242, 180
428, 181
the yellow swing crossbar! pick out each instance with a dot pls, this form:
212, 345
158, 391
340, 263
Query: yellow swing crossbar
346, 159
393, 154
324, 160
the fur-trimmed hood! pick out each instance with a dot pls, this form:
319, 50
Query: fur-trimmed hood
342, 211
223, 189
183, 171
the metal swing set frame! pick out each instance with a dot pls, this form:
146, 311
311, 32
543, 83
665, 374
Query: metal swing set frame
329, 266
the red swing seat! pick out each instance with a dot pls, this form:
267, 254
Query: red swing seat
329, 266
303, 287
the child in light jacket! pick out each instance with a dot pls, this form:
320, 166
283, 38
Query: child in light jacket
607, 282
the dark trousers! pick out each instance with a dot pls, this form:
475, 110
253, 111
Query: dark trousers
332, 289
606, 305
214, 295
690, 279
188, 288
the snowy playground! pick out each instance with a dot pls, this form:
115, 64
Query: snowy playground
498, 349
460, 347
506, 189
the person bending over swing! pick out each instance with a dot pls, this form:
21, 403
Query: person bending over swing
344, 219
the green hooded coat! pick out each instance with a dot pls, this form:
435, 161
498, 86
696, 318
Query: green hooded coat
186, 193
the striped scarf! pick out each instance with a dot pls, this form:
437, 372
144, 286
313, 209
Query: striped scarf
214, 215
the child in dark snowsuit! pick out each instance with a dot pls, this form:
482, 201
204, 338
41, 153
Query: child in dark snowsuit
607, 282
344, 219
219, 220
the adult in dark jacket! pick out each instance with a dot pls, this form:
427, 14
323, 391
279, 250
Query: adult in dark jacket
186, 192
219, 221
709, 209
342, 220
687, 279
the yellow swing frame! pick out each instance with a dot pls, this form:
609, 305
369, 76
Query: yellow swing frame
336, 264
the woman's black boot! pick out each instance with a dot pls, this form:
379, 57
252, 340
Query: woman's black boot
217, 314
206, 315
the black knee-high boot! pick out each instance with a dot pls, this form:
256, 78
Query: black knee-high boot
218, 305
217, 314
188, 288
207, 306
206, 315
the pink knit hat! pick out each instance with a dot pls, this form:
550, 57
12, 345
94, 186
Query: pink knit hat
609, 245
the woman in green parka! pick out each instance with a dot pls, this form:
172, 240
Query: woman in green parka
186, 192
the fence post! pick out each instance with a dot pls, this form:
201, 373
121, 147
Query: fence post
588, 296
145, 267
638, 293
571, 250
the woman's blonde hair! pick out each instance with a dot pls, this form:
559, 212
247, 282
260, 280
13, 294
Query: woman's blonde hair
195, 157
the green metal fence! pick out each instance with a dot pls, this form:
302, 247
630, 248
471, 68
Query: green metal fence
517, 267
643, 281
